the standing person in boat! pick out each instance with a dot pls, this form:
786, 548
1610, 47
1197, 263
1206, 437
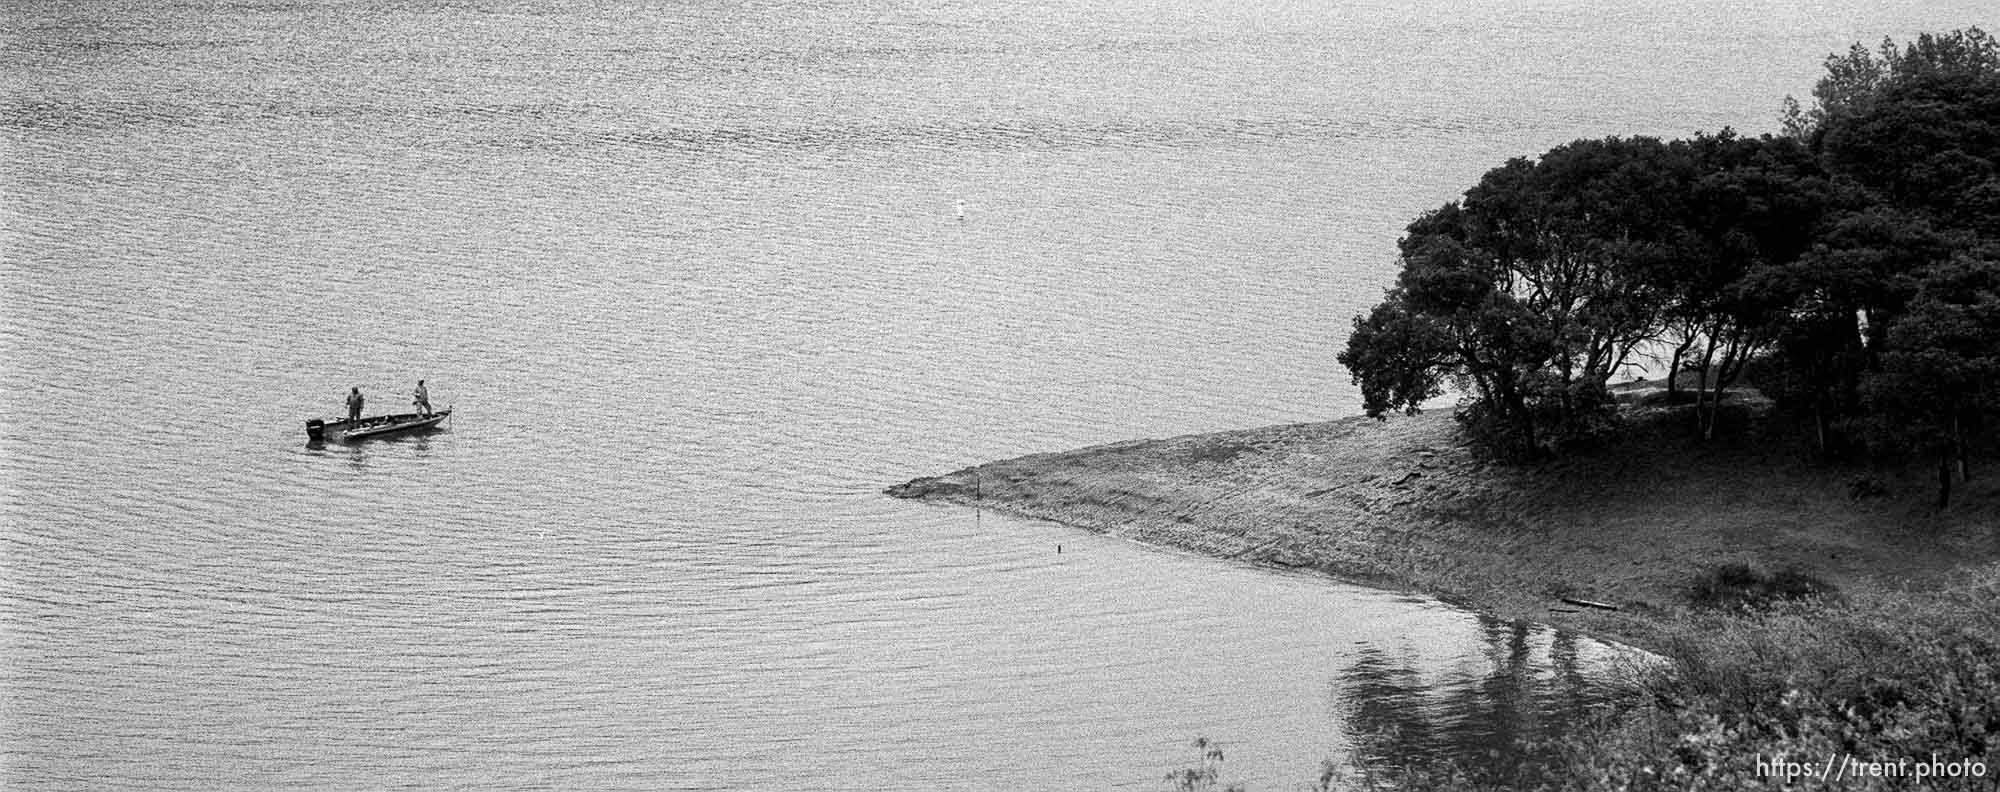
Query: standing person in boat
354, 405
423, 399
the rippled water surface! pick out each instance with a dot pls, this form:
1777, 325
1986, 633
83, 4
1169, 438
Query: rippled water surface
695, 277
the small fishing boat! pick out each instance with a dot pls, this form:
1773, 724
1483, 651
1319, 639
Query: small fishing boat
374, 426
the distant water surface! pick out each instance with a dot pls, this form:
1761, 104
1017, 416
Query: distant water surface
694, 277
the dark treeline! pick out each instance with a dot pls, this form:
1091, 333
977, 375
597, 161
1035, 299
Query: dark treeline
1848, 268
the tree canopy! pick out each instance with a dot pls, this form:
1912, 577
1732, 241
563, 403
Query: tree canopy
1550, 274
1850, 265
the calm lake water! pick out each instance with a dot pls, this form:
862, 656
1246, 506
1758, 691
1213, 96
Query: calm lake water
694, 275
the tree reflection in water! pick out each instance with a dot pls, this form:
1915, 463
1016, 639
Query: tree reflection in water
1534, 682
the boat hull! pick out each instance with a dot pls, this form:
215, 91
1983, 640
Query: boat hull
374, 426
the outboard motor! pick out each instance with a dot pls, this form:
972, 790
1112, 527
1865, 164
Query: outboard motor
315, 428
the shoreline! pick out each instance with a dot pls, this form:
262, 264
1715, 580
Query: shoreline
1405, 505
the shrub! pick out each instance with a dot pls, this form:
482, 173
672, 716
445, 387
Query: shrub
1738, 586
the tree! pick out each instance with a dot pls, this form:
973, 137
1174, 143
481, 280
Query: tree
1397, 357
1840, 300
1940, 378
1850, 80
1807, 254
1854, 81
1910, 139
1530, 292
1927, 139
1750, 205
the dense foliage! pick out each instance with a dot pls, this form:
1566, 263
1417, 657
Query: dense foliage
1851, 266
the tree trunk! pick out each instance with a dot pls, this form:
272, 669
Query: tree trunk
1944, 481
1704, 402
1958, 445
1735, 355
1819, 429
1674, 373
1523, 421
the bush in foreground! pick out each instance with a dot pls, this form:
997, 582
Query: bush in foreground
1740, 586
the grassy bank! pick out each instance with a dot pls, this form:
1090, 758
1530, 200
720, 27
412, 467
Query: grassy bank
1809, 610
1406, 504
